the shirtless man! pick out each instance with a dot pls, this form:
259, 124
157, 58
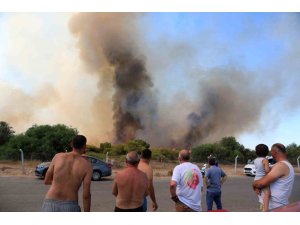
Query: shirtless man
66, 173
130, 186
280, 178
147, 169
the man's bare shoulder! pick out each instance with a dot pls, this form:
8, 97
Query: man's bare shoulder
86, 163
280, 169
59, 156
142, 174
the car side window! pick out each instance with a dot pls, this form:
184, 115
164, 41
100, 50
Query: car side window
93, 160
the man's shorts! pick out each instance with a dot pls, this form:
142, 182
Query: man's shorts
139, 209
51, 205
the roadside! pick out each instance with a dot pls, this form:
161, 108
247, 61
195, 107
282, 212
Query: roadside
160, 169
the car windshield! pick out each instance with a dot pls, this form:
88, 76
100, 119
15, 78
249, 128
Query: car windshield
250, 161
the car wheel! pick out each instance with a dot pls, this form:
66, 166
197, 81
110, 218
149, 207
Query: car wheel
96, 175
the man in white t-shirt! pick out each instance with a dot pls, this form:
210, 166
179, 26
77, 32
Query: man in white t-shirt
186, 185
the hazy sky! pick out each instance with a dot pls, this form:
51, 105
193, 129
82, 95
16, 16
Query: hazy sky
42, 79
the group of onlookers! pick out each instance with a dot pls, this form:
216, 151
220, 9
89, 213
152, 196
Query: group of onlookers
134, 183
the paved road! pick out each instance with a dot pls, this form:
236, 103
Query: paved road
25, 194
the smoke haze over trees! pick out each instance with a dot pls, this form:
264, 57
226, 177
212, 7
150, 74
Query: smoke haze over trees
124, 76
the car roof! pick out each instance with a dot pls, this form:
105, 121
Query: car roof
88, 156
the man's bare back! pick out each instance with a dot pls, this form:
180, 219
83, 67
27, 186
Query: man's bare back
144, 166
147, 169
68, 171
130, 186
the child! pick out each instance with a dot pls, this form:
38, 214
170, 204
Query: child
262, 168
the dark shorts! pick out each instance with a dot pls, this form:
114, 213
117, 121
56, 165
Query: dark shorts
181, 207
145, 204
51, 205
139, 209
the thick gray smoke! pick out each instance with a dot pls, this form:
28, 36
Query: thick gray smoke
172, 87
107, 46
229, 104
228, 101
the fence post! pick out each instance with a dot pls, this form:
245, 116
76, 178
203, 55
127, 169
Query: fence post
106, 157
22, 158
298, 163
235, 163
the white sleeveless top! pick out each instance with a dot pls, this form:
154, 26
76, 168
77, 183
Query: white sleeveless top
281, 189
259, 167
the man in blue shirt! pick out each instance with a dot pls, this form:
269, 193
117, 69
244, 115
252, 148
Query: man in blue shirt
214, 178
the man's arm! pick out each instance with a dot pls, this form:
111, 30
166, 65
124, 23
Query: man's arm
115, 187
49, 174
87, 189
277, 171
151, 189
223, 179
152, 195
206, 181
173, 185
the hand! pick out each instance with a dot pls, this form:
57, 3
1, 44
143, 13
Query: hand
257, 190
175, 198
154, 206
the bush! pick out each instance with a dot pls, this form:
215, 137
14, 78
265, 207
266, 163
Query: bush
39, 142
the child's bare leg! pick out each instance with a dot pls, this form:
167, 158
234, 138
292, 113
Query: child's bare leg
267, 195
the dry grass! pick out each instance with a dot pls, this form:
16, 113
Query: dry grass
14, 168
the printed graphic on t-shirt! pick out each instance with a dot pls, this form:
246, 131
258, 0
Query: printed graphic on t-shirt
191, 178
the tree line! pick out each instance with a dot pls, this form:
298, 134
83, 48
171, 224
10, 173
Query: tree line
42, 142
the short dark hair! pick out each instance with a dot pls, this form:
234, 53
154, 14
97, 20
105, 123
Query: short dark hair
280, 147
146, 154
262, 150
79, 141
211, 161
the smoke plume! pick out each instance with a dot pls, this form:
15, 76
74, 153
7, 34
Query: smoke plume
229, 104
107, 40
116, 77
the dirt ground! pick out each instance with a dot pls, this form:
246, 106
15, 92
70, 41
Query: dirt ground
160, 169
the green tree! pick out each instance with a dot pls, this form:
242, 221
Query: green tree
105, 147
11, 149
6, 132
293, 152
117, 150
136, 145
201, 152
39, 142
230, 143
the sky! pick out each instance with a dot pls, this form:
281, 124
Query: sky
43, 79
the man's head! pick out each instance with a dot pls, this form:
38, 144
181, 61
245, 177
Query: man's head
146, 154
278, 151
184, 155
262, 150
211, 161
132, 158
79, 143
